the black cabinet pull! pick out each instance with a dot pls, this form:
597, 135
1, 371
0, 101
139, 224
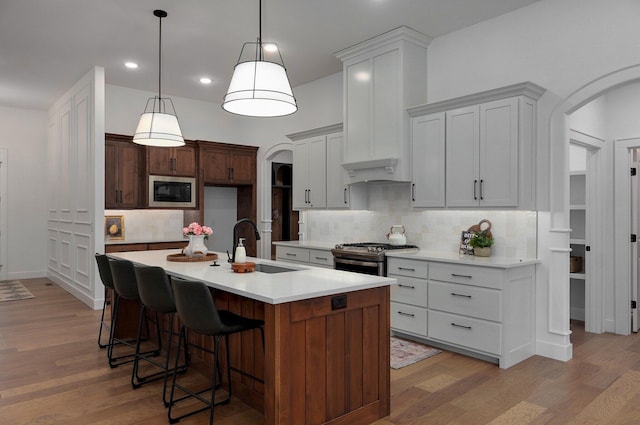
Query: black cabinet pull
475, 189
116, 201
406, 314
290, 254
461, 326
413, 192
407, 268
406, 286
460, 295
321, 258
462, 275
481, 189
345, 195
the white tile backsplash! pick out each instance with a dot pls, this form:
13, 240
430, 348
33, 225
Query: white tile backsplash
149, 225
514, 231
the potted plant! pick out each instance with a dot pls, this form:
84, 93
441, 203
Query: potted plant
481, 244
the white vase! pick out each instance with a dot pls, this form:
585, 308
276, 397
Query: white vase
196, 246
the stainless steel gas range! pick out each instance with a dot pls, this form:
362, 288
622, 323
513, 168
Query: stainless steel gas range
366, 257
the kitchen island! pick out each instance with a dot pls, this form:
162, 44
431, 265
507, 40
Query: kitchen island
326, 357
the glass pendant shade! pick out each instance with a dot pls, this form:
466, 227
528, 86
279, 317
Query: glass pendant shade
157, 128
260, 89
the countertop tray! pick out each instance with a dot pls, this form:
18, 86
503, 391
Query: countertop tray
182, 257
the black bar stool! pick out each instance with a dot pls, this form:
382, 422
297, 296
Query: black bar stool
126, 287
104, 270
198, 313
156, 296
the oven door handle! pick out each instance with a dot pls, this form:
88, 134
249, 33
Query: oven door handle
355, 262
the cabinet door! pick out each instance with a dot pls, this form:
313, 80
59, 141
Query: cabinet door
215, 165
184, 161
387, 113
317, 196
130, 175
428, 160
499, 153
357, 124
111, 194
160, 161
337, 190
243, 167
300, 174
463, 128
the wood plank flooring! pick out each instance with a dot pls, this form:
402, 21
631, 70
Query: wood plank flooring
52, 372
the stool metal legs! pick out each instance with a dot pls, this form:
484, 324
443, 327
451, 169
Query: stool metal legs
136, 379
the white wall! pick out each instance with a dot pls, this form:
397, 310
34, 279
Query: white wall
23, 132
558, 44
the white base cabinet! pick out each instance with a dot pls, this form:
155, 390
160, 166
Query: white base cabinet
311, 256
483, 311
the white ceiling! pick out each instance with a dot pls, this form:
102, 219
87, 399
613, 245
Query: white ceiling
47, 45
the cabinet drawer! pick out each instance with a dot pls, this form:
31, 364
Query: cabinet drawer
468, 275
321, 258
475, 334
404, 267
467, 300
409, 318
409, 290
289, 253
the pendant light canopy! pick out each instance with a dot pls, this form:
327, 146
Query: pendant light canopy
260, 86
158, 125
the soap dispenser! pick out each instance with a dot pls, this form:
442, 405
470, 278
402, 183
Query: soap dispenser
241, 253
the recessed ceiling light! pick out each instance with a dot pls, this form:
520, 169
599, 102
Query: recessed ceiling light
205, 80
270, 47
131, 65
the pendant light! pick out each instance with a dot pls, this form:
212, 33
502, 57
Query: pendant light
260, 86
158, 125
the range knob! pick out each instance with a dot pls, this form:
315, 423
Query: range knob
339, 246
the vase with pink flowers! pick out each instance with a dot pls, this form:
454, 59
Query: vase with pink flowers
197, 235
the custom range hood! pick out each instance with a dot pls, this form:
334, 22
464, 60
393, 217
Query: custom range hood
382, 76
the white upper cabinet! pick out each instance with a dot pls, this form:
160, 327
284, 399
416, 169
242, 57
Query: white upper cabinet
310, 173
319, 180
489, 149
382, 77
428, 154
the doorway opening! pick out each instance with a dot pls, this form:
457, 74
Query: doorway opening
284, 220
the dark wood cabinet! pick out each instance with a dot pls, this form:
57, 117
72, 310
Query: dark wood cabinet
122, 247
179, 161
123, 173
228, 164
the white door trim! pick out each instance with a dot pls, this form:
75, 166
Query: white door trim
4, 190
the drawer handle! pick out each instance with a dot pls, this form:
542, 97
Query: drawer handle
291, 254
406, 314
407, 268
406, 286
460, 326
321, 258
462, 275
460, 295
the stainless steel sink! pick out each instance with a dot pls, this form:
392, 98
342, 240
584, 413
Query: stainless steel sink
270, 268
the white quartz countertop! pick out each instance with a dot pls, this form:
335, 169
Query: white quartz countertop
304, 283
307, 244
449, 257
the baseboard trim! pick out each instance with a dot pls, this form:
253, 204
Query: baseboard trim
554, 351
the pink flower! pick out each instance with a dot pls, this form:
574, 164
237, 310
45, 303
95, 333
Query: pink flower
198, 230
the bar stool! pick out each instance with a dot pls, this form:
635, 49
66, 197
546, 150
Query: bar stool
198, 313
156, 296
126, 287
104, 270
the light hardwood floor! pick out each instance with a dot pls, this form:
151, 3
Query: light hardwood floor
52, 372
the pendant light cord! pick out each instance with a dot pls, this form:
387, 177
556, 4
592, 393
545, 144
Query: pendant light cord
260, 55
160, 60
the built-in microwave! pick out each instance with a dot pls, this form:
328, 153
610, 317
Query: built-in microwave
172, 192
